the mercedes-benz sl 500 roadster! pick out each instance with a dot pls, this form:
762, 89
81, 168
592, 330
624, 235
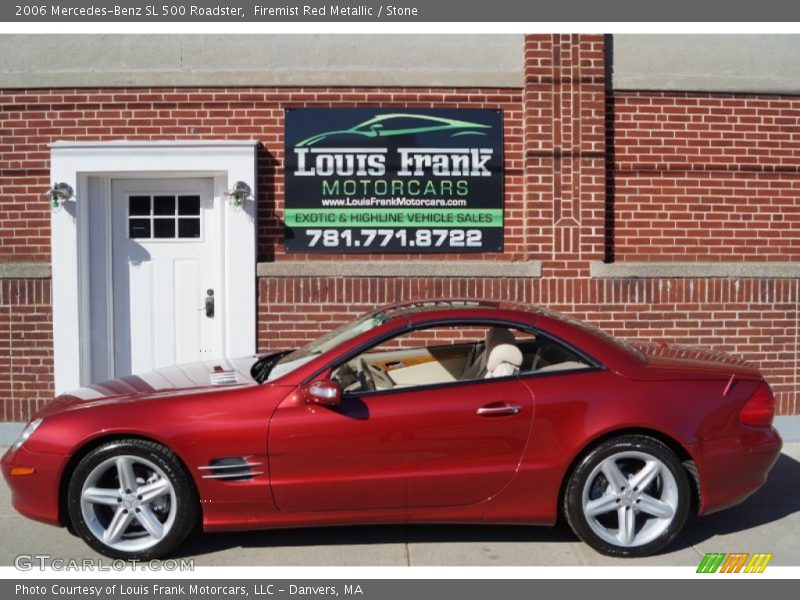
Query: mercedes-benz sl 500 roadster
444, 411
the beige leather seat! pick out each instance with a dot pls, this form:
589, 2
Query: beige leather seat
476, 369
504, 360
563, 366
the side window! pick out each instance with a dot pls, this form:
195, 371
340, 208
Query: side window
435, 355
544, 355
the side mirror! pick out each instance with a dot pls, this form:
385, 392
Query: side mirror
326, 392
375, 128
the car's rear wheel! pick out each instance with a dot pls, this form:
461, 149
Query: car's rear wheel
629, 496
132, 499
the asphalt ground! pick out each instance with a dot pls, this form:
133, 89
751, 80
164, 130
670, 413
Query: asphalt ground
768, 521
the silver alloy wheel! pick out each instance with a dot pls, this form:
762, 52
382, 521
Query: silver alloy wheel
128, 503
630, 499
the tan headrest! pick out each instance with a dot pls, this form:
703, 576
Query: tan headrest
503, 353
498, 335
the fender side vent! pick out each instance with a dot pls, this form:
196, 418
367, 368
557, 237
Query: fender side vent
231, 468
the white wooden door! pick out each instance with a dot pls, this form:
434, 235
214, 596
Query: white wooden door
167, 283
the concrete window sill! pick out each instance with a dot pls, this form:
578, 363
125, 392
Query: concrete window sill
702, 270
390, 268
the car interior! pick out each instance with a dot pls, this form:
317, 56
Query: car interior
442, 355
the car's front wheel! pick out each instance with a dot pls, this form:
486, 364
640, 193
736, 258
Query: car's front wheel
629, 496
132, 499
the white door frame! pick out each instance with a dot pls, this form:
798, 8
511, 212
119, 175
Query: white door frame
75, 163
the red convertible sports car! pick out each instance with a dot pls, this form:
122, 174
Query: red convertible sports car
451, 411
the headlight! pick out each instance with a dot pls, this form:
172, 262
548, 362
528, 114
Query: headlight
26, 433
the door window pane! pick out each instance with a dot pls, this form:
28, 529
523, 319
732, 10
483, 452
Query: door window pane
139, 228
164, 228
139, 205
164, 205
188, 228
188, 205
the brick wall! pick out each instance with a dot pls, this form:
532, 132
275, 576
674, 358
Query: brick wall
753, 318
633, 176
26, 347
581, 205
705, 177
32, 119
565, 179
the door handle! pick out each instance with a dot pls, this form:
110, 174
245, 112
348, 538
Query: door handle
210, 303
498, 409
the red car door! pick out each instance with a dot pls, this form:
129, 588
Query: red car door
444, 445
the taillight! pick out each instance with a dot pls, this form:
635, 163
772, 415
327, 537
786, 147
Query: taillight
759, 410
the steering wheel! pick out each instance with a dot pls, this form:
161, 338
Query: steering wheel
345, 376
373, 374
381, 377
369, 380
537, 358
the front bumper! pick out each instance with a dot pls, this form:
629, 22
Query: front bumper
35, 495
733, 468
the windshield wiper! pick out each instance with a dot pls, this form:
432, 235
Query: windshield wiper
261, 369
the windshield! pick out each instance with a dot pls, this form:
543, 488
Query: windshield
290, 361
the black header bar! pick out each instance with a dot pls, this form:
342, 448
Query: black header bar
463, 11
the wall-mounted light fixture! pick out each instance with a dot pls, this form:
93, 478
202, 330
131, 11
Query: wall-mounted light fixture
239, 193
59, 193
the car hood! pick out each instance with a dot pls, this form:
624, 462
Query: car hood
192, 378
687, 359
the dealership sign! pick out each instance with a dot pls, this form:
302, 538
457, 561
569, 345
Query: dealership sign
394, 180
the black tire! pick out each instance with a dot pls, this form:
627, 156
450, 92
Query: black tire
186, 502
628, 447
